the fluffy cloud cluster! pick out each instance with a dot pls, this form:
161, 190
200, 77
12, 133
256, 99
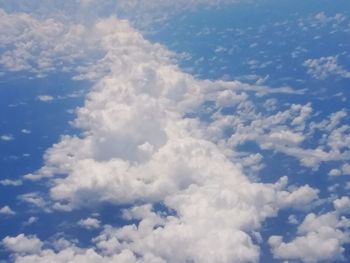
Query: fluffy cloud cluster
89, 223
140, 14
154, 135
22, 244
328, 232
283, 131
321, 68
6, 210
139, 146
40, 46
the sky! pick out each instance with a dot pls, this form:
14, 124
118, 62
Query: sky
204, 131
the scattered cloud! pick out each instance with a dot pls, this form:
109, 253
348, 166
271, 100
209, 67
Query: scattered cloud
22, 244
7, 137
153, 134
31, 220
149, 16
343, 170
342, 205
321, 18
322, 68
328, 232
9, 182
6, 210
137, 147
89, 223
26, 131
34, 199
45, 98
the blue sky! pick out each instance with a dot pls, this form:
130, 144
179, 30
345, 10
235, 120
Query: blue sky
202, 131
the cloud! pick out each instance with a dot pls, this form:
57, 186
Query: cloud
323, 67
342, 205
283, 131
22, 244
31, 220
6, 210
7, 137
149, 16
37, 46
89, 223
292, 219
26, 131
153, 134
343, 170
29, 249
328, 232
45, 98
138, 147
346, 168
321, 19
9, 182
34, 199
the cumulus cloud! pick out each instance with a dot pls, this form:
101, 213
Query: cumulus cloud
26, 131
138, 146
31, 220
6, 210
328, 232
342, 205
22, 244
45, 98
7, 137
9, 182
34, 199
152, 134
343, 170
89, 223
37, 46
321, 19
141, 15
283, 131
321, 68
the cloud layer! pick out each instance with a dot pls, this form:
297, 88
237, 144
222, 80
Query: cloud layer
153, 135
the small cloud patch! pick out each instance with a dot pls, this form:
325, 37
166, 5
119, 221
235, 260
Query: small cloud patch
6, 210
45, 98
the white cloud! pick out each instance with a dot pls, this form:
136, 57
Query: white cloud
335, 172
343, 170
68, 253
324, 67
9, 182
45, 98
22, 244
26, 131
301, 197
35, 42
324, 232
38, 46
284, 131
89, 223
147, 16
6, 210
34, 199
137, 147
322, 19
7, 137
342, 205
292, 219
346, 169
31, 220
